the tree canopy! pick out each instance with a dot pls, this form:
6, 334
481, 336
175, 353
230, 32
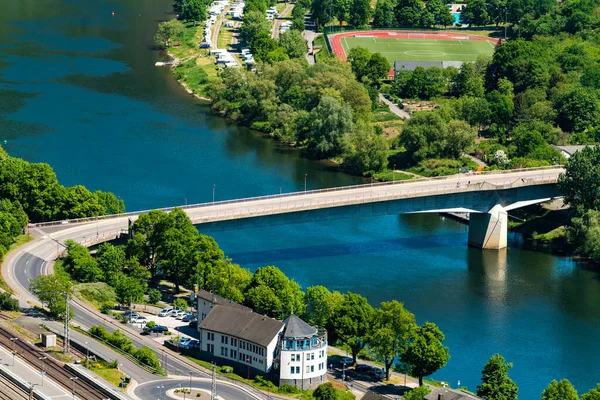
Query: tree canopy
495, 382
426, 353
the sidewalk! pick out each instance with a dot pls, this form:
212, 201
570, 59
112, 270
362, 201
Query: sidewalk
30, 375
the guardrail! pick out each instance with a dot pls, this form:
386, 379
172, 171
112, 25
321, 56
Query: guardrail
284, 195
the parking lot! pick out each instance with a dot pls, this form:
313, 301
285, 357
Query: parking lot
176, 327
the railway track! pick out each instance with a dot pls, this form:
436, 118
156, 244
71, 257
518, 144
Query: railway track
10, 391
54, 369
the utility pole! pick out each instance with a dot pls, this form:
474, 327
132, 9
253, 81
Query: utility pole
67, 338
213, 391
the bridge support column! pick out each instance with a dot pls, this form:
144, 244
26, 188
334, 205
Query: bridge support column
489, 230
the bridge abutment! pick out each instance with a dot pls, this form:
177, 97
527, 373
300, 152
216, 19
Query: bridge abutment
489, 230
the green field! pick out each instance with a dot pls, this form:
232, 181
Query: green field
422, 49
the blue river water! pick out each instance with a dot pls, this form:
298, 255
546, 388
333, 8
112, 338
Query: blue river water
79, 90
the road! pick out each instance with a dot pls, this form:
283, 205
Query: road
394, 108
156, 389
279, 20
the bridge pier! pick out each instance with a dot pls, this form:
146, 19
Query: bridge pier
489, 230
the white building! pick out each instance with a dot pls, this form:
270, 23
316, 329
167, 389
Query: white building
291, 351
303, 354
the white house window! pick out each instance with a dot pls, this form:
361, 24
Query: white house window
292, 369
297, 370
307, 369
307, 356
312, 368
312, 356
293, 357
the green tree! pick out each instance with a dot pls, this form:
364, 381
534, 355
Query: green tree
325, 391
562, 390
128, 289
193, 10
111, 260
367, 152
409, 13
52, 290
584, 234
377, 68
359, 58
580, 183
384, 16
459, 137
321, 11
426, 352
7, 303
417, 393
592, 394
320, 305
168, 31
154, 296
475, 13
341, 10
331, 122
270, 287
495, 382
423, 134
180, 303
351, 322
441, 12
80, 262
293, 43
253, 24
468, 82
393, 326
147, 233
264, 47
360, 11
148, 357
578, 109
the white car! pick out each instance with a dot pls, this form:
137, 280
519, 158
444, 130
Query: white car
139, 320
165, 312
178, 314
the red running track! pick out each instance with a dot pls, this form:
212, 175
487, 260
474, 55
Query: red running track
338, 49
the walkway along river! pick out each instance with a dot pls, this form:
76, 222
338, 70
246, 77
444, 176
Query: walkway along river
79, 90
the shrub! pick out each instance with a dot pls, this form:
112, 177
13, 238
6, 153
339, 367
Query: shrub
99, 331
7, 303
105, 308
180, 303
226, 369
154, 296
119, 340
151, 324
325, 391
287, 388
147, 356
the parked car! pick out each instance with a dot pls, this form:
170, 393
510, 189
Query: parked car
378, 373
347, 360
178, 314
193, 324
363, 368
128, 313
184, 342
139, 320
165, 312
195, 344
188, 317
156, 329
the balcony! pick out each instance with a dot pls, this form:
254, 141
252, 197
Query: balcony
307, 344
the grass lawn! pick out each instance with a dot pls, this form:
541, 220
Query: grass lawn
225, 37
422, 49
197, 74
111, 375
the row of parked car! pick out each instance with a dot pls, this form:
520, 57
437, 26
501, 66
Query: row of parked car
376, 372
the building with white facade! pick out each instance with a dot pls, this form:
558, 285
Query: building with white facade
291, 351
303, 354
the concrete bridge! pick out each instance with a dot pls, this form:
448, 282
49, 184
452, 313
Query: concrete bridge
488, 197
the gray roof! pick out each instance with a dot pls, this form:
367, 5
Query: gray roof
571, 149
243, 324
450, 394
220, 300
296, 328
406, 65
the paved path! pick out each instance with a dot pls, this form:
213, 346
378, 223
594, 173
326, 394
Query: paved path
310, 35
475, 159
217, 28
394, 108
279, 20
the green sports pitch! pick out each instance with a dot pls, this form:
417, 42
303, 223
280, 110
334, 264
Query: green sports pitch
422, 49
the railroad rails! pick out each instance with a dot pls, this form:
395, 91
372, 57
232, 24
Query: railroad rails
10, 391
54, 369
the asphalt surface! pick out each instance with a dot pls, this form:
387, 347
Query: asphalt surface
153, 389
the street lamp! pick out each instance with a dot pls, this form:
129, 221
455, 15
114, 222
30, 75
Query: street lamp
13, 340
214, 187
42, 372
248, 360
191, 372
394, 173
87, 355
73, 379
344, 372
305, 175
31, 386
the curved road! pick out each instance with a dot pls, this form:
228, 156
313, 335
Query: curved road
153, 389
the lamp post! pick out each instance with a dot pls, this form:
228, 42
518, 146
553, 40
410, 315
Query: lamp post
13, 340
394, 173
248, 360
305, 175
73, 379
42, 372
214, 187
344, 372
191, 372
31, 386
87, 354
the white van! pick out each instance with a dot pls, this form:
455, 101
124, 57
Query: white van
165, 312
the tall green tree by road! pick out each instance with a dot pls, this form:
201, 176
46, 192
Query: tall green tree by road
293, 43
321, 304
392, 329
52, 290
495, 382
417, 393
168, 31
271, 292
147, 237
360, 11
580, 183
193, 10
592, 394
426, 352
562, 390
352, 321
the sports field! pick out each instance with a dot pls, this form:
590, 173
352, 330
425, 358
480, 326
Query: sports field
414, 46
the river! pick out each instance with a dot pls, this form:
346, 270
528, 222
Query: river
79, 90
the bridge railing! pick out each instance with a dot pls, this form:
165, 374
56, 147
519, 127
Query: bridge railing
291, 194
